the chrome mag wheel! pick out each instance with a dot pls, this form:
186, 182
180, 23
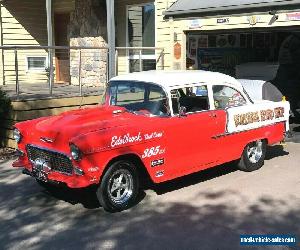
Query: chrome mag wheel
120, 186
255, 151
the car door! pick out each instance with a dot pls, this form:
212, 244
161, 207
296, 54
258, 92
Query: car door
225, 97
190, 136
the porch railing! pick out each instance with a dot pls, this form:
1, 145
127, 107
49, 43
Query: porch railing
85, 68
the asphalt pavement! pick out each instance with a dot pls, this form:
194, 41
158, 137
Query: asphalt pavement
207, 210
295, 129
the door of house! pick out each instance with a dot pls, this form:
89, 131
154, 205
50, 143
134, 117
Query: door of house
62, 56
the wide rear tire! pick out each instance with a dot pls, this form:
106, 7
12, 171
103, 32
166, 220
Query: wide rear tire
253, 156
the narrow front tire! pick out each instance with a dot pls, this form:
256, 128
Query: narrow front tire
119, 187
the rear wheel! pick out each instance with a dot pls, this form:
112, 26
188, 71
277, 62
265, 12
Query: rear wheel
119, 187
253, 156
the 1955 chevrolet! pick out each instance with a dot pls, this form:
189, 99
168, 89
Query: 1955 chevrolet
162, 124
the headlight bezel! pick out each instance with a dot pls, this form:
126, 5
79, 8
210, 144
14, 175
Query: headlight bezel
75, 152
17, 135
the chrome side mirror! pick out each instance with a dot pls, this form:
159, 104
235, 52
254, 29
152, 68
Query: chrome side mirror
182, 111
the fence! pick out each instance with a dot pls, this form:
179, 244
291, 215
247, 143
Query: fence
57, 70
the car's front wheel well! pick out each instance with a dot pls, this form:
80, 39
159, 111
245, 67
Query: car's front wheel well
137, 162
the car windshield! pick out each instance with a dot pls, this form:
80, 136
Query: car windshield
138, 97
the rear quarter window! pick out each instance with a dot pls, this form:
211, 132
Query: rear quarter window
225, 97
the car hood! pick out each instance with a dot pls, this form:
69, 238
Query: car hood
74, 123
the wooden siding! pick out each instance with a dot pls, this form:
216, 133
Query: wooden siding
165, 32
26, 110
23, 23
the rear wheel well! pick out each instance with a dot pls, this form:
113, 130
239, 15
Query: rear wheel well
143, 174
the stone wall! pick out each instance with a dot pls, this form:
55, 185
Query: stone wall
88, 29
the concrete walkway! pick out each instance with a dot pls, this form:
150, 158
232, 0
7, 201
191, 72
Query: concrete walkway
207, 210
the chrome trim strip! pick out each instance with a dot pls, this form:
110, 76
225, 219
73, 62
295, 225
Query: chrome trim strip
238, 132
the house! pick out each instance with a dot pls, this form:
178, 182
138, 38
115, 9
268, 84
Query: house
203, 34
149, 34
75, 23
79, 23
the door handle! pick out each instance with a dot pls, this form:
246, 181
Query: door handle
213, 115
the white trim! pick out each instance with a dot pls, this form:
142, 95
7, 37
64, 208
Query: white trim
144, 57
256, 108
211, 97
175, 78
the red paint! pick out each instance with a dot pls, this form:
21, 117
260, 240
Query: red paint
187, 144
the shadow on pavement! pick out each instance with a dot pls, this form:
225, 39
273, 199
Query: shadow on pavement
275, 151
32, 218
211, 173
195, 178
42, 222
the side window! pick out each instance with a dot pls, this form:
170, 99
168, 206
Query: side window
225, 97
194, 99
157, 101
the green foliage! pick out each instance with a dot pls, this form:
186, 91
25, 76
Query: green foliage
5, 109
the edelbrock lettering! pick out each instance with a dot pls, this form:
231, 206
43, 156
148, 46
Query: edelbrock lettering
125, 139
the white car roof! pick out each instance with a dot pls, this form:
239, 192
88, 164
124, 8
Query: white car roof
171, 79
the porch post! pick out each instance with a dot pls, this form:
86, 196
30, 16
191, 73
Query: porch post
50, 43
110, 9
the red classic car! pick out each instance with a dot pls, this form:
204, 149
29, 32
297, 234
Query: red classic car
163, 124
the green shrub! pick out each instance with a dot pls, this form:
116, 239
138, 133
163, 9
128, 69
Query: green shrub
5, 109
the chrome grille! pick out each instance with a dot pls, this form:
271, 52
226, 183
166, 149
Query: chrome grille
58, 161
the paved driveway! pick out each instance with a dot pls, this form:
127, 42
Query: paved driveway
208, 210
295, 129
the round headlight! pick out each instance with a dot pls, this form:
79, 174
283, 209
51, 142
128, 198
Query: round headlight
75, 152
17, 135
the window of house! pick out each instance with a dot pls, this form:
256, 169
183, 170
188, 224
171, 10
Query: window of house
194, 99
225, 97
141, 33
36, 63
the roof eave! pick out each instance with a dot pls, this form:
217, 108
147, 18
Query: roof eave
224, 11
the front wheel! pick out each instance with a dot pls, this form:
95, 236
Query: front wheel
119, 187
253, 156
